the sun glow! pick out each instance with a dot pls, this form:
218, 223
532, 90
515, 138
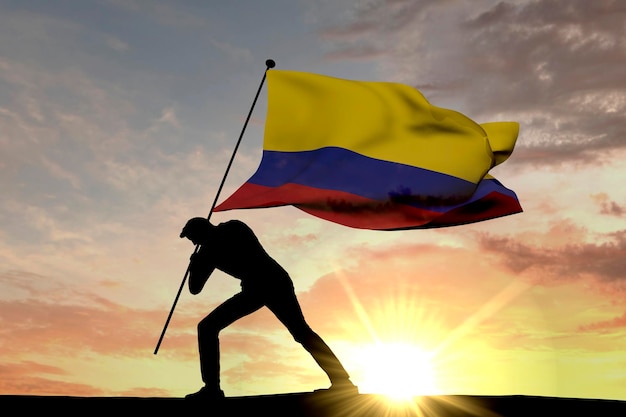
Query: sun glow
397, 370
404, 346
402, 359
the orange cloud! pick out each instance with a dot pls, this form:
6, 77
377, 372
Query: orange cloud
26, 378
603, 261
54, 319
605, 326
607, 206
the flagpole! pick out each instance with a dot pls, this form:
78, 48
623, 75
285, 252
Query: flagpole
269, 64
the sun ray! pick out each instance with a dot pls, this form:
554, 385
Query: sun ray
358, 306
491, 307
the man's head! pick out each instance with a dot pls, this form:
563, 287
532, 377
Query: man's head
197, 230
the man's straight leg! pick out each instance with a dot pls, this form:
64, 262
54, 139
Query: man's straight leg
286, 308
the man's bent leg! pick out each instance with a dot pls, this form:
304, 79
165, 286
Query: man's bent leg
229, 311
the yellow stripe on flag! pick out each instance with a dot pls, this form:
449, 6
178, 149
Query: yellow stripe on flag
387, 121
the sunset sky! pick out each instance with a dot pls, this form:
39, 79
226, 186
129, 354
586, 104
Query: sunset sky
117, 120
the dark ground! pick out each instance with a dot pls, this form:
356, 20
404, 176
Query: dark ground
315, 404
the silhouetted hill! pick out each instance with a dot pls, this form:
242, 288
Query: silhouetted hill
316, 404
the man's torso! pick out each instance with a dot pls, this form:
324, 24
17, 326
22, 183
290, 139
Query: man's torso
234, 249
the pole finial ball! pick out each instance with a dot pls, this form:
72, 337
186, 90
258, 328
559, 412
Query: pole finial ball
270, 63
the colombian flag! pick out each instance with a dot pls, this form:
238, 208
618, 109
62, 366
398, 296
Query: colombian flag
375, 155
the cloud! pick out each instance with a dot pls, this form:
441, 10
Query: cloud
20, 384
607, 206
57, 141
55, 336
33, 378
116, 43
44, 309
603, 261
235, 53
162, 12
82, 161
168, 116
555, 66
606, 326
29, 367
28, 377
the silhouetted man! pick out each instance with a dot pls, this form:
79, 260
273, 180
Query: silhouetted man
233, 248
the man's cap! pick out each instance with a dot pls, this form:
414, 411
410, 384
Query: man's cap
197, 223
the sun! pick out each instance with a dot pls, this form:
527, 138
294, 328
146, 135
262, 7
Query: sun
398, 370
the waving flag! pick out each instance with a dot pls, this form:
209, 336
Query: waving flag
375, 155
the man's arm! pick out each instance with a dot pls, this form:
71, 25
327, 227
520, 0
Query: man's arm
200, 269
